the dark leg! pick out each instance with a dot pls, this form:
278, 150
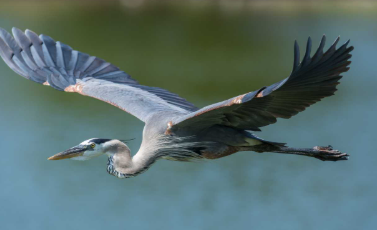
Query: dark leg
322, 153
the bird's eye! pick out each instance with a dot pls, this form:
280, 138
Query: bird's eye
92, 145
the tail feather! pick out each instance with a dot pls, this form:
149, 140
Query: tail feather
252, 139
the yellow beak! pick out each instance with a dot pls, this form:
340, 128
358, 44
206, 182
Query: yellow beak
70, 153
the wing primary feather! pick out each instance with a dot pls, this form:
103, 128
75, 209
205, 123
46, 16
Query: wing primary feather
48, 52
296, 61
38, 76
29, 61
59, 56
333, 46
51, 81
7, 54
64, 82
347, 42
319, 52
12, 44
306, 59
24, 68
36, 43
72, 63
67, 53
110, 74
25, 44
37, 58
86, 65
81, 60
14, 50
99, 68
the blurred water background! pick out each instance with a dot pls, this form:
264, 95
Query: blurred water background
206, 52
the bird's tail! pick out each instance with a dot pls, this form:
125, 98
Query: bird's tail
252, 139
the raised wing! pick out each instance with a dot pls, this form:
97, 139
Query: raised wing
311, 80
42, 60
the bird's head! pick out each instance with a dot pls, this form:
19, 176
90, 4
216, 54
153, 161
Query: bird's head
117, 151
89, 149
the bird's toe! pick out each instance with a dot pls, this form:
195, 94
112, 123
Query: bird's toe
327, 153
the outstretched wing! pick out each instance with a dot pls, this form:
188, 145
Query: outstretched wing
311, 80
41, 59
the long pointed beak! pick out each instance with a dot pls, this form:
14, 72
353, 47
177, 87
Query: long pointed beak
72, 152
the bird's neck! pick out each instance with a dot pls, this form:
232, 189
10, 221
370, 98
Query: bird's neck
122, 165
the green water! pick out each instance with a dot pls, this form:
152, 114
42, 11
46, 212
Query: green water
205, 55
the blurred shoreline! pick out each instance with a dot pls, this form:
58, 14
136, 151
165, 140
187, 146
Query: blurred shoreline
223, 5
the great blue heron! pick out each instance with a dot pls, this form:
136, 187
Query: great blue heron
174, 128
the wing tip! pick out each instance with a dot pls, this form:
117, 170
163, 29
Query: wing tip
335, 42
16, 30
323, 39
296, 58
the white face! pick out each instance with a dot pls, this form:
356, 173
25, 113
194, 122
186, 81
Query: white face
94, 150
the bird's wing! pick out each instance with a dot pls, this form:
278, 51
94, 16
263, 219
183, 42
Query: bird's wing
311, 80
41, 59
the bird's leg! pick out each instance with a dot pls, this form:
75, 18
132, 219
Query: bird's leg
319, 152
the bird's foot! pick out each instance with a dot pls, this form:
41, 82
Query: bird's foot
329, 154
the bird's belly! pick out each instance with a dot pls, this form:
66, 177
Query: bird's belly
219, 151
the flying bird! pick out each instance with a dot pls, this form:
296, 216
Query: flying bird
175, 129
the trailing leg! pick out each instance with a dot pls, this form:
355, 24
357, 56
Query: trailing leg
319, 152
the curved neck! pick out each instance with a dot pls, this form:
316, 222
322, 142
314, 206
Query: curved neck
122, 165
